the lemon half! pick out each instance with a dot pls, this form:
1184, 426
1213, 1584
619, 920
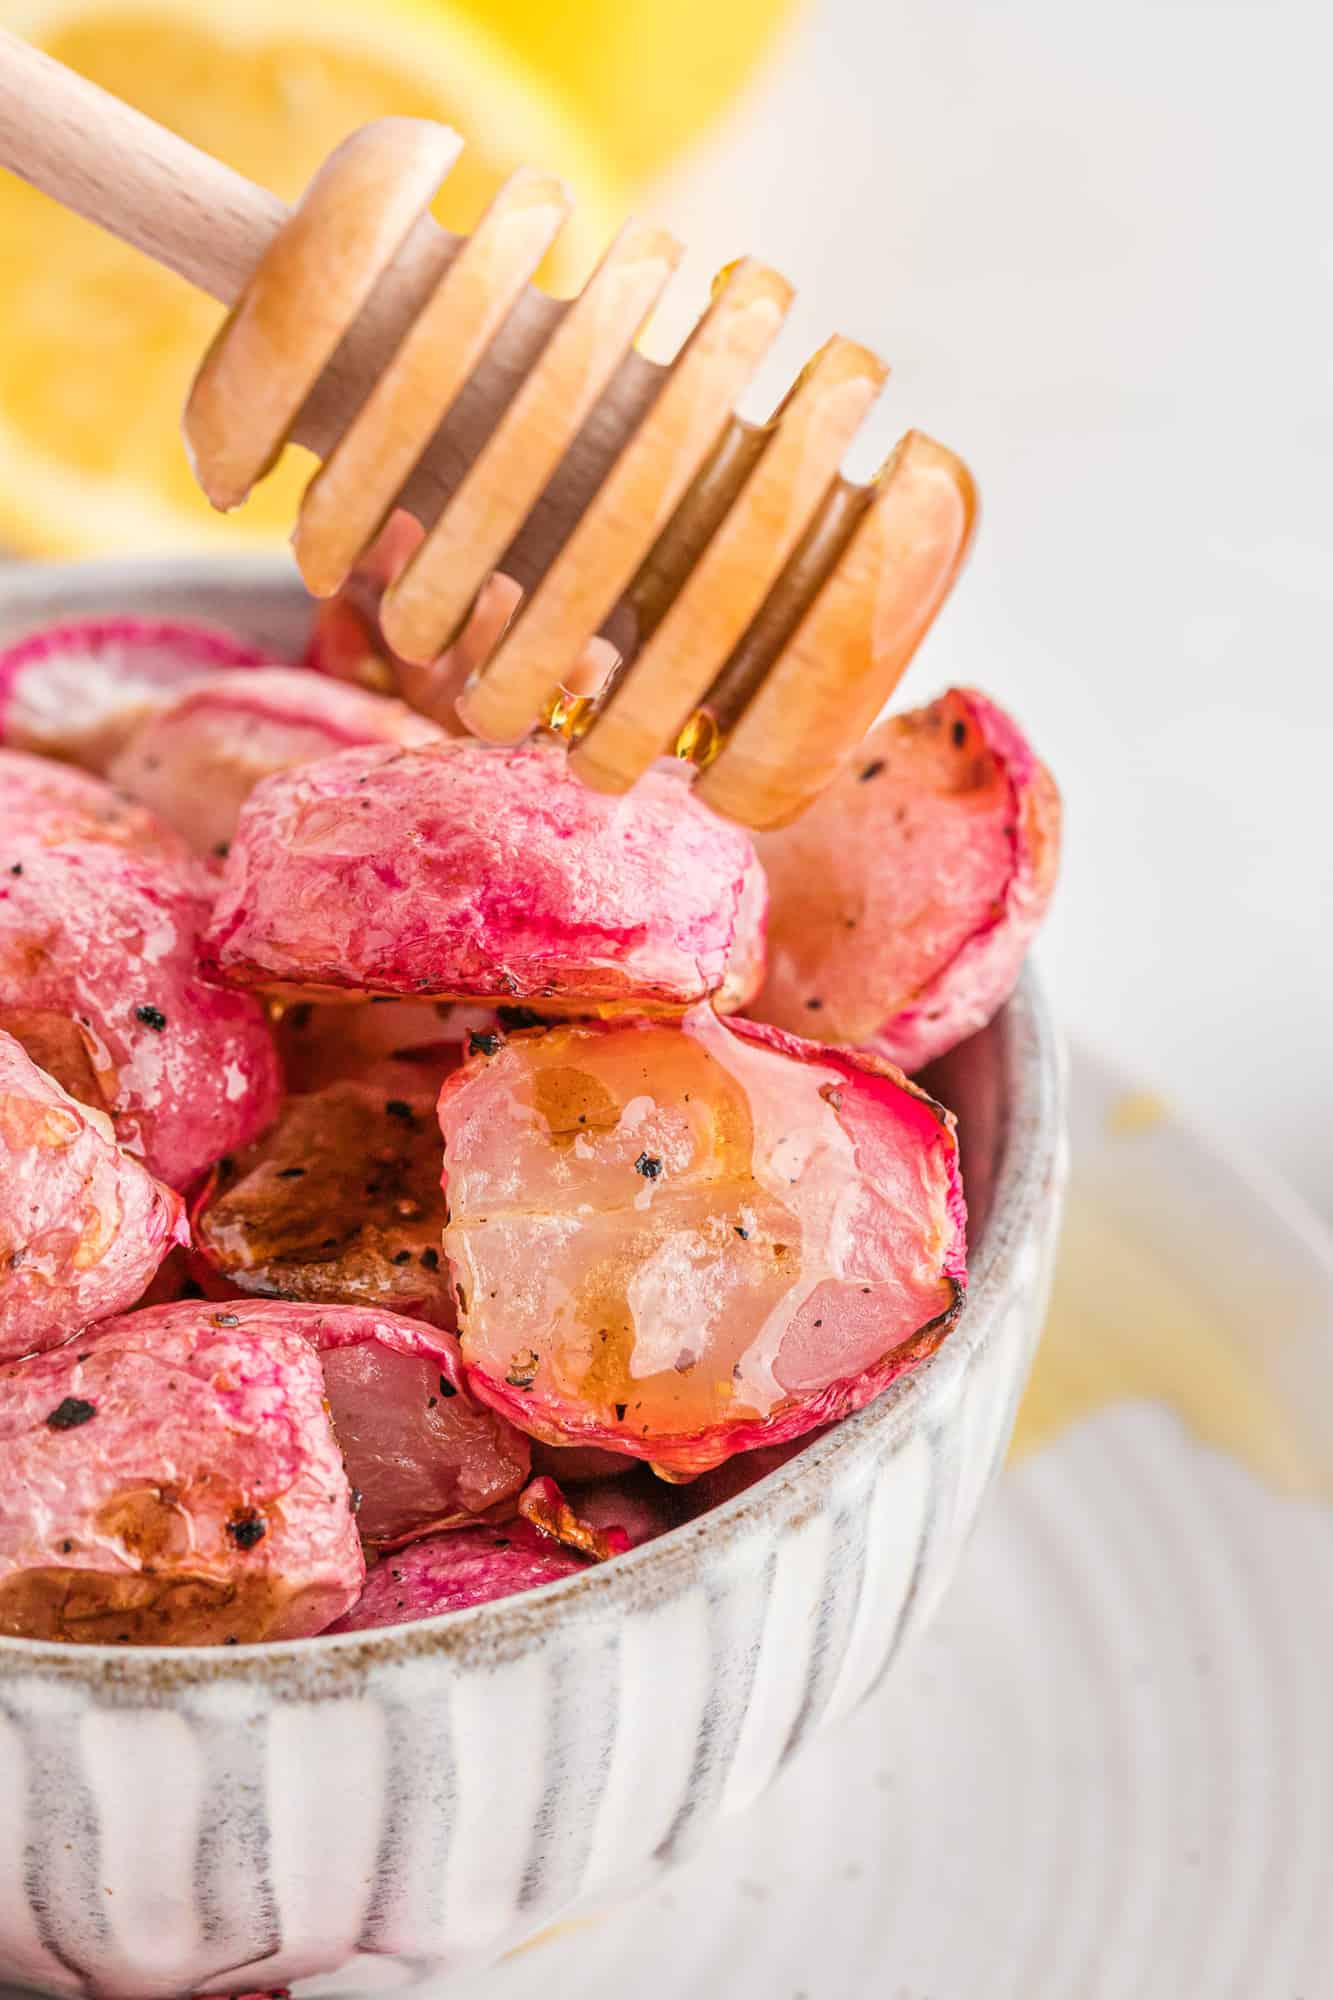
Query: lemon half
98, 346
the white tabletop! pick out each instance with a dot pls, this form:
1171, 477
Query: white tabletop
1096, 245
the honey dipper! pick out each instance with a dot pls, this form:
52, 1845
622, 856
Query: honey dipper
765, 606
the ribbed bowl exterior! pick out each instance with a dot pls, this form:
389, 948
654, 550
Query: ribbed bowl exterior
179, 1822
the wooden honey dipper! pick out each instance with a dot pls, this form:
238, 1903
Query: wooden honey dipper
563, 479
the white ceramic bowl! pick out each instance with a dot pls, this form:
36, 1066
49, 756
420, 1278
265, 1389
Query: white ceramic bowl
398, 1804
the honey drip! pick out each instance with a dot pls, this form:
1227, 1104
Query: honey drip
1125, 1325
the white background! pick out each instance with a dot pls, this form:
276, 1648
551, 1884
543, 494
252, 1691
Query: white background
1095, 242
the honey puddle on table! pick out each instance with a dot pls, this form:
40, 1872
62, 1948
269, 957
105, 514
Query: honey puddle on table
1125, 1325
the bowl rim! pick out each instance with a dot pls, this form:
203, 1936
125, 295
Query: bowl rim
1026, 1181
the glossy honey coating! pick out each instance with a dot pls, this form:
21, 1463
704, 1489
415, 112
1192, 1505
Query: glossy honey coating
678, 1240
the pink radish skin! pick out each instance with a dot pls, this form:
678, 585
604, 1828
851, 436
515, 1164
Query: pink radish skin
454, 1572
476, 873
481, 1564
421, 1451
80, 689
171, 1478
83, 1225
904, 901
36, 792
101, 911
197, 760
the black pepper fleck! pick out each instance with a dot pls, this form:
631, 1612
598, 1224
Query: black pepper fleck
620, 1409
446, 1387
872, 769
482, 1042
151, 1017
814, 1004
291, 1173
744, 1234
649, 1166
17, 868
222, 850
247, 1530
960, 734
69, 1414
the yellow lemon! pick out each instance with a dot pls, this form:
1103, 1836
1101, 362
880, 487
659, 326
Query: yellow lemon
97, 346
645, 75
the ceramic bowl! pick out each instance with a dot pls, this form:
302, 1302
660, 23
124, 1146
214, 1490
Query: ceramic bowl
400, 1805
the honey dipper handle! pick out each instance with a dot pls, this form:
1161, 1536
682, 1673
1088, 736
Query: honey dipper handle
121, 170
187, 211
